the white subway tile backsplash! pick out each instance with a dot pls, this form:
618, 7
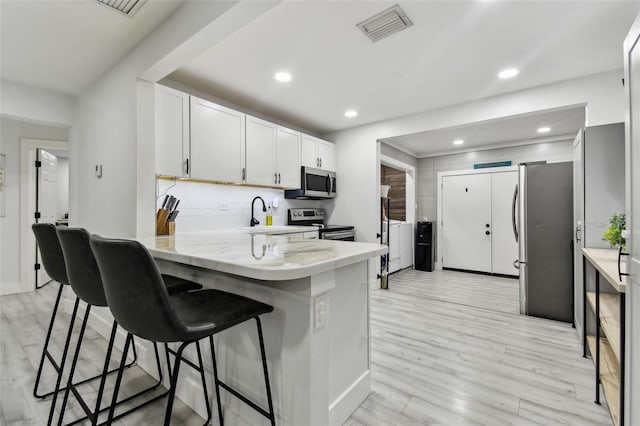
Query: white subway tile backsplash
208, 206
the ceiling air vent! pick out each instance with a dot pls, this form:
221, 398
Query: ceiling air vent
385, 23
126, 7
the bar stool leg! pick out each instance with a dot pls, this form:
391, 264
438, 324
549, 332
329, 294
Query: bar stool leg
266, 373
204, 384
74, 363
215, 380
105, 369
45, 349
123, 362
174, 382
63, 361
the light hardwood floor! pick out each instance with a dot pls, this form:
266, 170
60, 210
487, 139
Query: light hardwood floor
448, 348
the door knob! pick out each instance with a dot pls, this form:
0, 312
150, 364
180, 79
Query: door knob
488, 232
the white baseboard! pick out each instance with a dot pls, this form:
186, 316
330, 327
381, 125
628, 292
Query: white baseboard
13, 288
350, 400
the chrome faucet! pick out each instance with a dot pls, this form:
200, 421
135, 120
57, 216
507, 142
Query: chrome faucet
255, 221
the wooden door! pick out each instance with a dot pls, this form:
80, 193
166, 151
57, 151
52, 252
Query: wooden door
45, 200
288, 157
466, 222
261, 148
632, 92
217, 142
504, 247
172, 132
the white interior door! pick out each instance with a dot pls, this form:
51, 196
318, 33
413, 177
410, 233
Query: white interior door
45, 199
504, 247
466, 222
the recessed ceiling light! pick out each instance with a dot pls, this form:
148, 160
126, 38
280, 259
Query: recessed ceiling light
508, 73
283, 77
458, 142
544, 129
350, 113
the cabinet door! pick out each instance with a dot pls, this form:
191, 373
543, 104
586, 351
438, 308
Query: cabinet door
288, 158
217, 142
327, 154
309, 151
172, 131
261, 148
466, 212
504, 248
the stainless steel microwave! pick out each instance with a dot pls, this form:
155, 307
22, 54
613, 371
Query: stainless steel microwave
315, 184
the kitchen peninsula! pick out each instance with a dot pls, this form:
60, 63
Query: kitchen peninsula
317, 337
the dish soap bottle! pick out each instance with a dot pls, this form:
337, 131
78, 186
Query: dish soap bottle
269, 217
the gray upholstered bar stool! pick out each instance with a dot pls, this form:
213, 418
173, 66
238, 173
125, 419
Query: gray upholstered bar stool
54, 265
140, 303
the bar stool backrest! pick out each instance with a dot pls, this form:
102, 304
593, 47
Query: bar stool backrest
82, 269
135, 290
50, 251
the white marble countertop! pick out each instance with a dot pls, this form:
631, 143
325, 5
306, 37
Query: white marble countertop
260, 256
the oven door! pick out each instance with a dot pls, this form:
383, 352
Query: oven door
318, 183
348, 235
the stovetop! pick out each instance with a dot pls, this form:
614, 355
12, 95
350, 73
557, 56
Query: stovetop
313, 217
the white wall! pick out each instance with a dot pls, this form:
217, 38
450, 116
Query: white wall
358, 195
34, 104
11, 131
106, 120
202, 205
429, 167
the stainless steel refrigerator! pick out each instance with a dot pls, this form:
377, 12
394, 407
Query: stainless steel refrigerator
543, 227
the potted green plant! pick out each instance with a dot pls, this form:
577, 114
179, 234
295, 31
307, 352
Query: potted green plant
614, 235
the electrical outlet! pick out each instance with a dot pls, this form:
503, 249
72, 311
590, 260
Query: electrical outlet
320, 311
223, 205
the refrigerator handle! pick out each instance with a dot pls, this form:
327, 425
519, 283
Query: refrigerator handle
513, 213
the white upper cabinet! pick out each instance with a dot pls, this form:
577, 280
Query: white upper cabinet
217, 142
261, 152
172, 132
327, 155
288, 158
318, 153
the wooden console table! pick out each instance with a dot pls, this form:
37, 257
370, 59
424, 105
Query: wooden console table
608, 346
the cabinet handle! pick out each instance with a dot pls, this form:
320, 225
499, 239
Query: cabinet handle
321, 162
279, 179
186, 167
275, 178
244, 173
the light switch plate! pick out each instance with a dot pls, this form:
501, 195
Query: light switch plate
223, 205
98, 171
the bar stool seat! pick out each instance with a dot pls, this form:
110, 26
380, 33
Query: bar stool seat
208, 312
176, 285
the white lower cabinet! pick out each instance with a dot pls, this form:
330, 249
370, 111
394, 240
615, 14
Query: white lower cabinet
217, 142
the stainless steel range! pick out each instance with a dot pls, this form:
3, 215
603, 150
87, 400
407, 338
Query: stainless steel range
316, 217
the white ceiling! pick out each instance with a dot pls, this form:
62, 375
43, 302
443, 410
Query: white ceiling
507, 131
64, 45
450, 55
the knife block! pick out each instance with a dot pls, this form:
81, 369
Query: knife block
162, 226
